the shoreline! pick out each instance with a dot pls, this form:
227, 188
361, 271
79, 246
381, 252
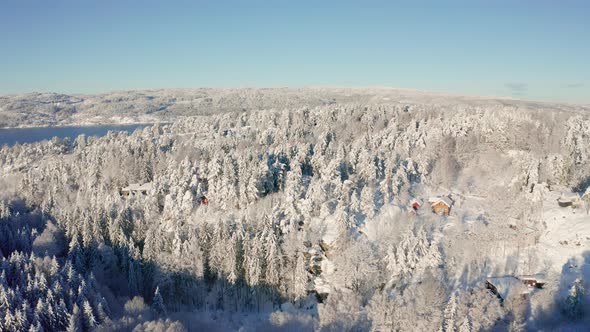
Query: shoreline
88, 125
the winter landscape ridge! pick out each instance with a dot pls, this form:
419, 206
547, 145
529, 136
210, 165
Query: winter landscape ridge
148, 106
301, 209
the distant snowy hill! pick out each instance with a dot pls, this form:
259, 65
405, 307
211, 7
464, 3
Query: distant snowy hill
51, 109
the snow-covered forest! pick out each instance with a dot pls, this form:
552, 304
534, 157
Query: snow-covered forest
166, 105
299, 217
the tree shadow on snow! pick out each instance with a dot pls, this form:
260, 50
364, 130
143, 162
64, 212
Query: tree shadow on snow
570, 306
199, 302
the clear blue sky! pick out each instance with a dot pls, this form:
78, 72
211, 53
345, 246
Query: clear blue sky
524, 49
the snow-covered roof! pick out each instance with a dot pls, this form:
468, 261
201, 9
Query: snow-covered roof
138, 187
416, 200
569, 196
504, 284
445, 199
538, 277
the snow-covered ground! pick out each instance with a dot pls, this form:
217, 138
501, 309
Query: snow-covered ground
567, 236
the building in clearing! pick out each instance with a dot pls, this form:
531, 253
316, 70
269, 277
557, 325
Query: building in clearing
525, 284
441, 205
135, 189
533, 280
502, 286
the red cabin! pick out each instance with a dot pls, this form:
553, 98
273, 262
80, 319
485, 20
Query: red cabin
416, 204
204, 200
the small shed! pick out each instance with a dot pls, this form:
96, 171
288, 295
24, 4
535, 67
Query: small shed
416, 204
441, 205
204, 200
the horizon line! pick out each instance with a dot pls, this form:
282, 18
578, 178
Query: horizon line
277, 87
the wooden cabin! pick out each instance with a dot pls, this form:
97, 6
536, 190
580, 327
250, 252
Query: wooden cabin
204, 200
501, 286
441, 205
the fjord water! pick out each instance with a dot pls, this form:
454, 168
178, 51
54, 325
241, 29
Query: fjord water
13, 136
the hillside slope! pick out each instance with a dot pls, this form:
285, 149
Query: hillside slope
146, 106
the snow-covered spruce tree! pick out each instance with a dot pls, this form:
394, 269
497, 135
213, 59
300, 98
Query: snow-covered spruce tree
300, 277
75, 323
158, 303
573, 306
90, 321
465, 325
450, 314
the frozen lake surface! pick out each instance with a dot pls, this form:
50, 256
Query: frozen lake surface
13, 136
